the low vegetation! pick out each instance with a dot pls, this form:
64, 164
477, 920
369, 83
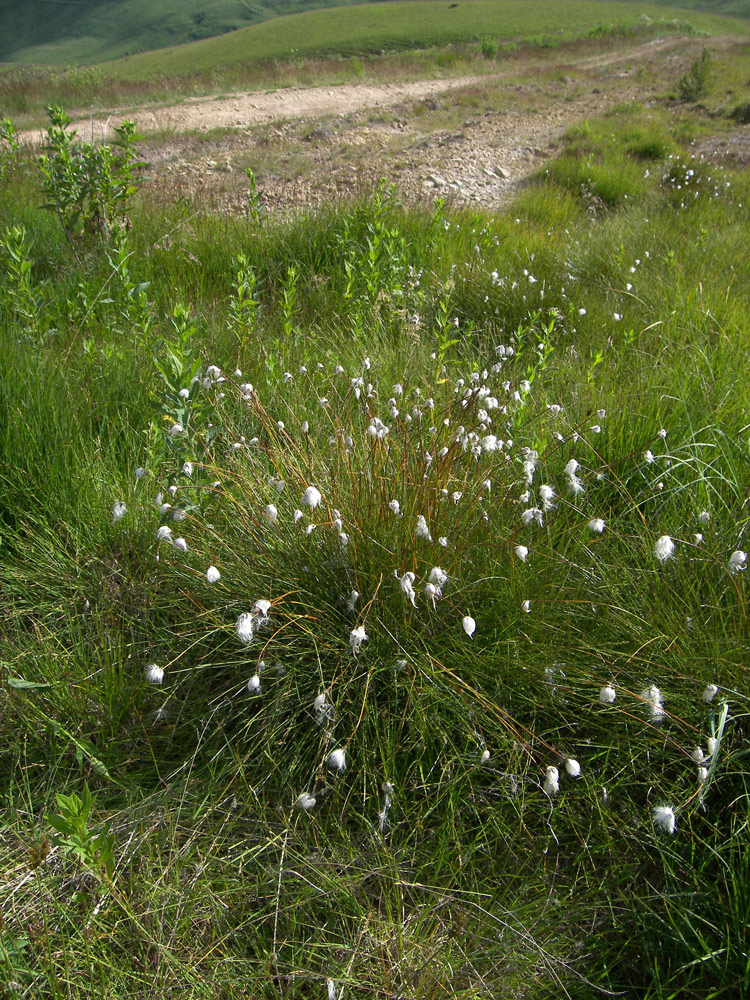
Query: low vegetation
373, 582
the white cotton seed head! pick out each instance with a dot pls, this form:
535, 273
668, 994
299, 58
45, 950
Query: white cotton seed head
737, 561
311, 497
423, 530
573, 767
407, 587
485, 757
253, 685
698, 756
213, 575
337, 760
531, 515
140, 472
607, 695
653, 698
181, 544
664, 548
469, 625
272, 514
154, 674
547, 495
306, 801
709, 692
164, 533
664, 818
702, 774
522, 552
356, 637
575, 486
119, 510
244, 628
261, 609
526, 607
712, 743
395, 507
596, 526
552, 781
438, 577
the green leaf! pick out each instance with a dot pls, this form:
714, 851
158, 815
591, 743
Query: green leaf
60, 824
23, 685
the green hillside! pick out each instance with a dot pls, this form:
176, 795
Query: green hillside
55, 32
399, 26
66, 32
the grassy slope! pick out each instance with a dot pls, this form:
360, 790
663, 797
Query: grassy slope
55, 32
63, 33
392, 26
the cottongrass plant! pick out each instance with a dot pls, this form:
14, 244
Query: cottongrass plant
316, 546
363, 581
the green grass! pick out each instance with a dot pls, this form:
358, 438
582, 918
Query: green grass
398, 26
88, 31
91, 31
620, 279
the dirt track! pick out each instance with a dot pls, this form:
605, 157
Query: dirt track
245, 110
308, 146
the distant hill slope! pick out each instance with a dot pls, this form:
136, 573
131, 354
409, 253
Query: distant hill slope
394, 26
65, 32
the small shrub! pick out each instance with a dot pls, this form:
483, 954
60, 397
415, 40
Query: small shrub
88, 187
10, 146
489, 47
694, 84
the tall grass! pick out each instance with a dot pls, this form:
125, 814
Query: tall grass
553, 391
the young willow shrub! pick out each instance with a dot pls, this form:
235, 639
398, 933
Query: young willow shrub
88, 186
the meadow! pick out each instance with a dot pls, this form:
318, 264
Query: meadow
373, 579
64, 34
43, 33
397, 26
